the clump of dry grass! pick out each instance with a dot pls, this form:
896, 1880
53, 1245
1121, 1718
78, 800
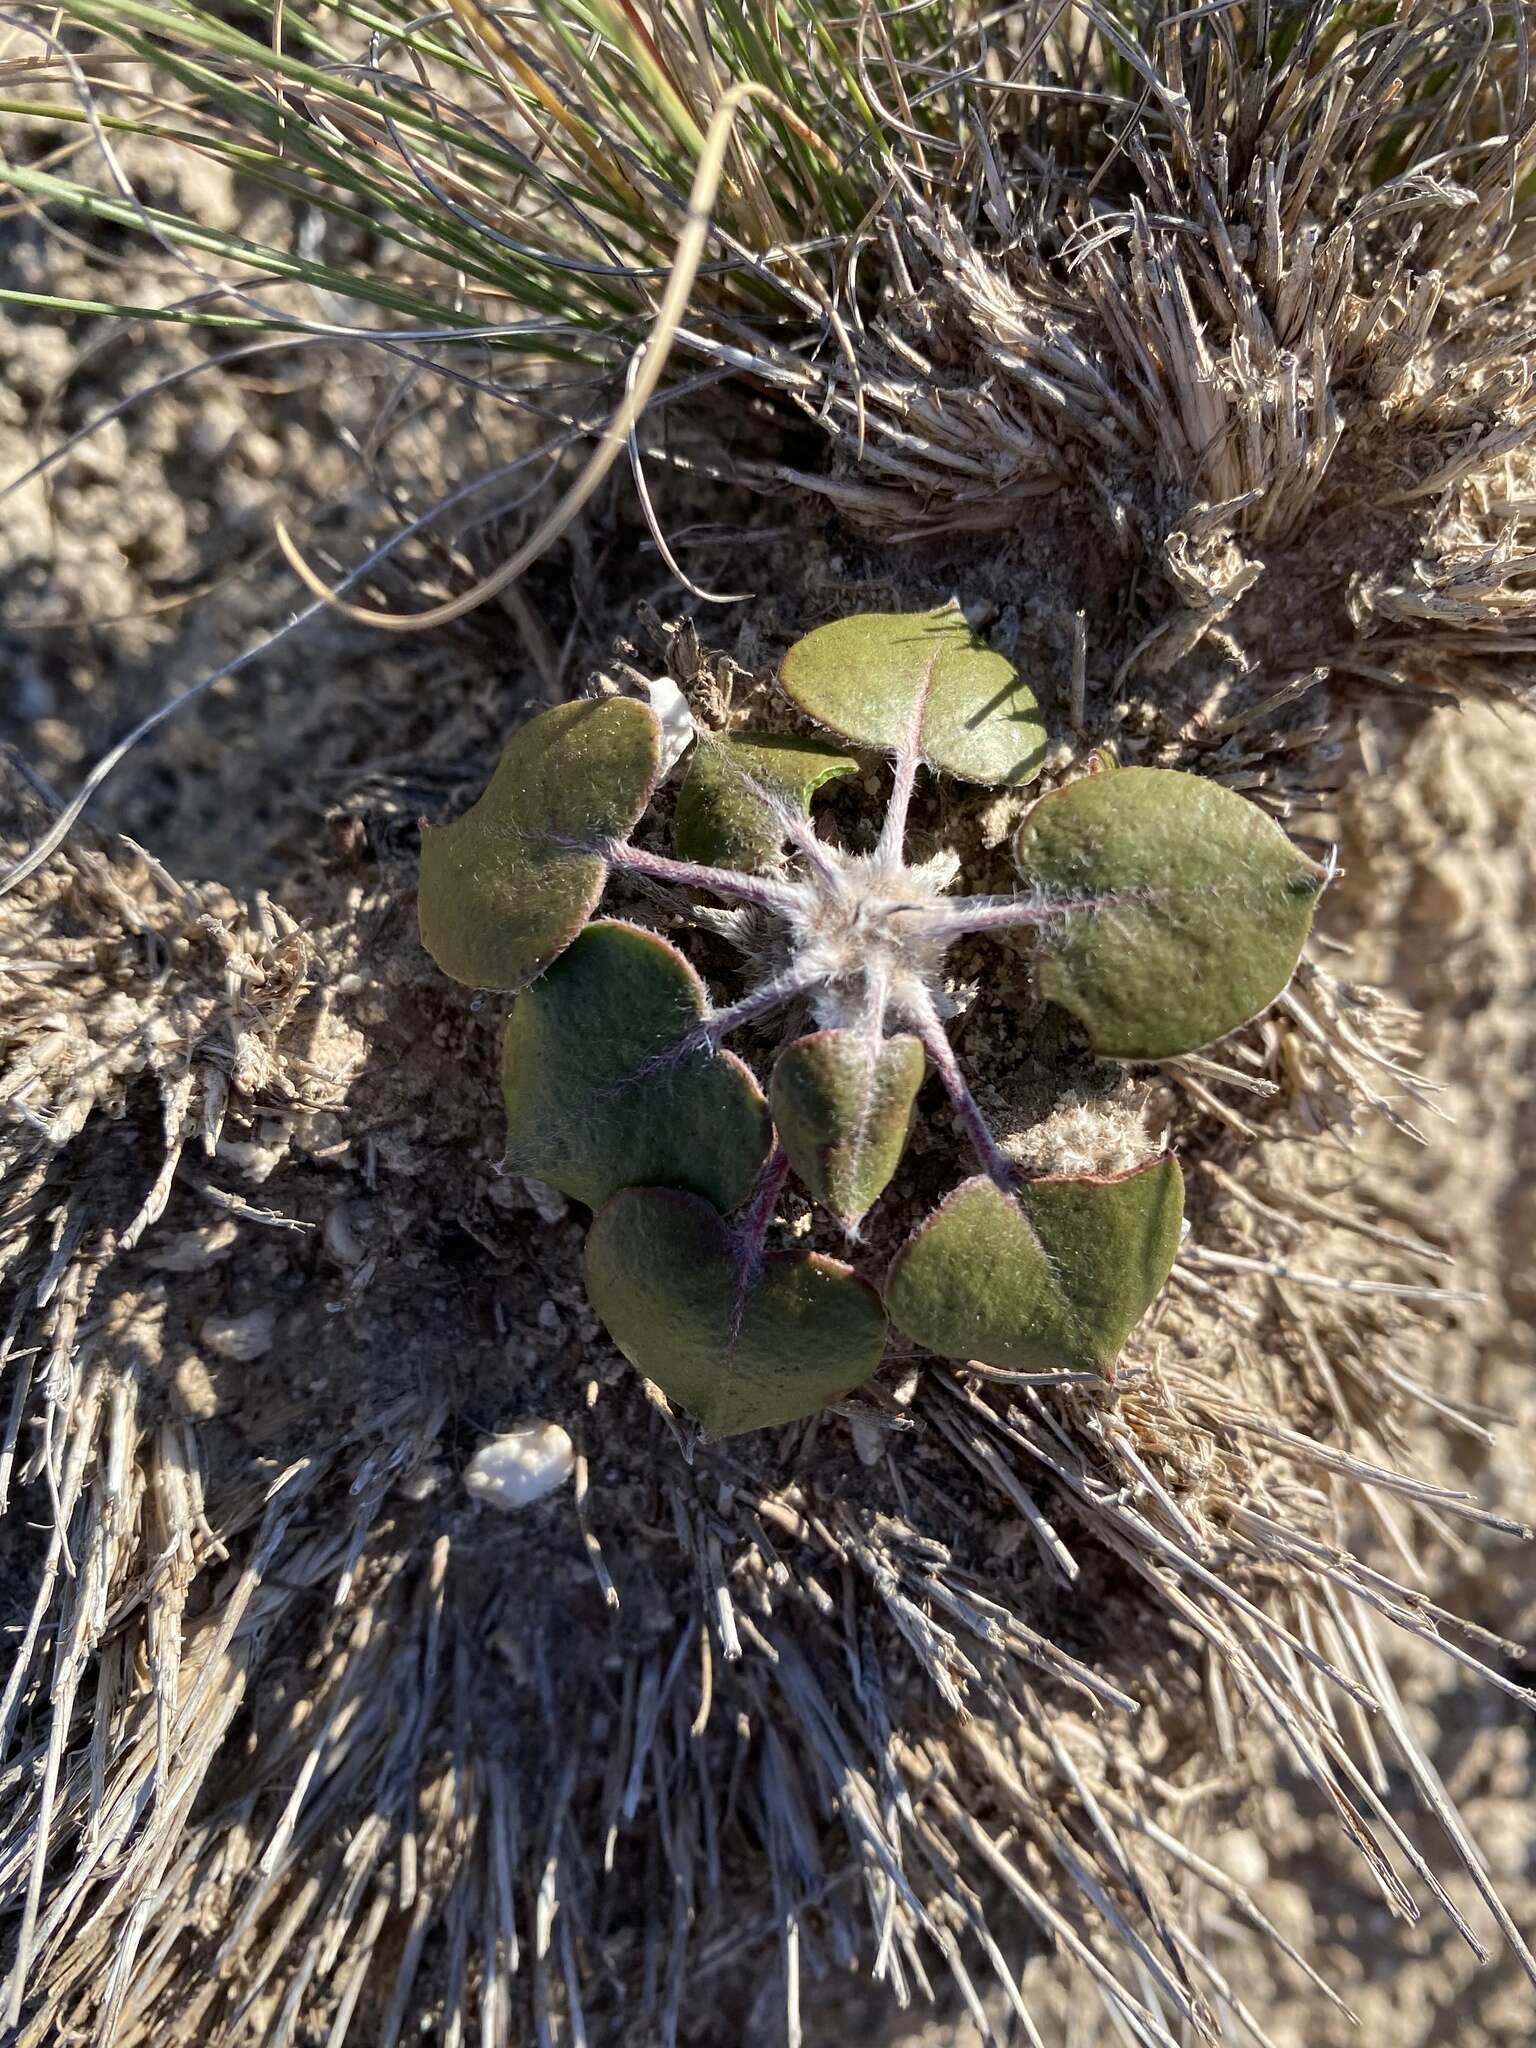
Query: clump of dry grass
132, 1003
1235, 305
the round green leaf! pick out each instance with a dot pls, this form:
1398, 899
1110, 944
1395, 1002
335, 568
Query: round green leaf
923, 679
740, 1341
1210, 908
599, 1094
722, 818
506, 888
1053, 1278
843, 1108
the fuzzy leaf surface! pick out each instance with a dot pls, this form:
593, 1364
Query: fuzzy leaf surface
506, 888
893, 679
722, 819
1217, 906
597, 1096
843, 1109
739, 1342
1054, 1278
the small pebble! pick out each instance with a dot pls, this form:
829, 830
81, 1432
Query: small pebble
341, 1240
1241, 1855
421, 1483
191, 1250
197, 1391
514, 1470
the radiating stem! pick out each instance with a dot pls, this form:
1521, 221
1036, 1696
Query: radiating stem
800, 833
773, 995
752, 1232
928, 1025
893, 833
756, 1218
877, 996
781, 897
711, 1032
956, 916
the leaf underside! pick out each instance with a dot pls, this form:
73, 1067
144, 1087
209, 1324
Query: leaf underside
1054, 1278
506, 888
598, 1096
1217, 904
923, 679
739, 1342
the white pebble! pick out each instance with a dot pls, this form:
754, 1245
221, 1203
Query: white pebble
514, 1470
1241, 1854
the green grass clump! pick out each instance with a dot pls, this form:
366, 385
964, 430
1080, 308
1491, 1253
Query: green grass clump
534, 163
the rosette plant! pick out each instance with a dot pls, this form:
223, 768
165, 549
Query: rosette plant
1165, 911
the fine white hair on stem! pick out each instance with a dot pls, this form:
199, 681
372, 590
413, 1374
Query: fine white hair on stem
920, 1013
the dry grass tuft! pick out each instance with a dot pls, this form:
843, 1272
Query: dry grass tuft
1262, 317
132, 1004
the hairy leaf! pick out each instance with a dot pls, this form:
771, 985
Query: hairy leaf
739, 1340
506, 888
923, 679
1212, 906
722, 817
600, 1095
843, 1108
1053, 1278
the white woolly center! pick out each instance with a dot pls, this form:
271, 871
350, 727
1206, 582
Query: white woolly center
860, 931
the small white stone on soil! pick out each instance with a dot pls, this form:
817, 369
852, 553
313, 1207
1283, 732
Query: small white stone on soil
421, 1482
514, 1470
341, 1240
256, 1162
1241, 1855
197, 1392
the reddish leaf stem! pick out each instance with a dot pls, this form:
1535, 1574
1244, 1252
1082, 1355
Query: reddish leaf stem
780, 897
751, 1233
928, 1025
